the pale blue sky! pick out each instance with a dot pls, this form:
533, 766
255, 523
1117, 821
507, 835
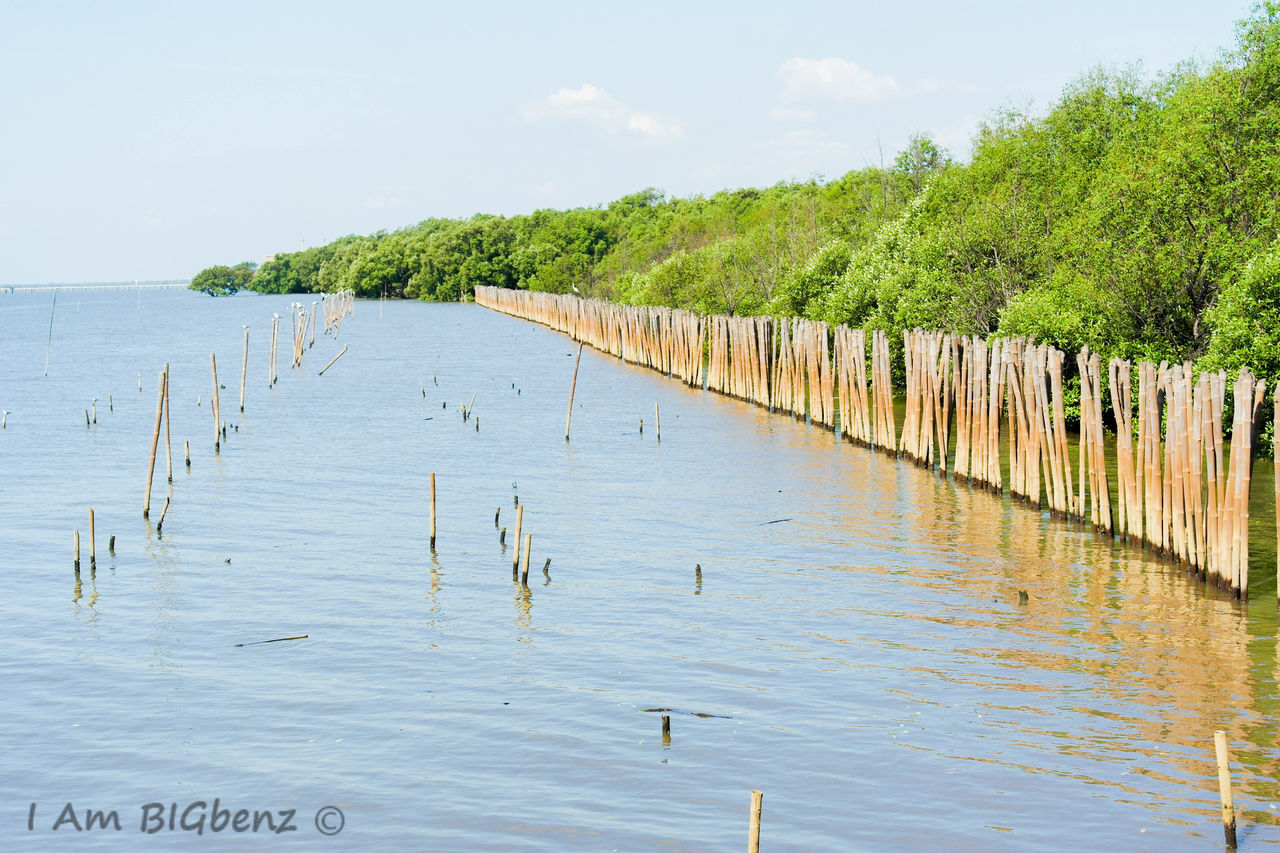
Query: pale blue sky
149, 140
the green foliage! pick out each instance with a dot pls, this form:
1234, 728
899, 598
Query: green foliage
1135, 217
1245, 321
222, 280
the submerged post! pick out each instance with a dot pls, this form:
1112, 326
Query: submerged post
524, 573
1224, 787
93, 547
572, 387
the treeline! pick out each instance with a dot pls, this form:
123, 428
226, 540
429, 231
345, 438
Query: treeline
1136, 217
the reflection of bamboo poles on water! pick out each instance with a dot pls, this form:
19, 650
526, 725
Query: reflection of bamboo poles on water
1174, 492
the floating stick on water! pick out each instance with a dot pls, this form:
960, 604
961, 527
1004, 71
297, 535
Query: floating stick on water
572, 387
276, 640
330, 364
1224, 788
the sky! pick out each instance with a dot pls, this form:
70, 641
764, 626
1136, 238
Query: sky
150, 140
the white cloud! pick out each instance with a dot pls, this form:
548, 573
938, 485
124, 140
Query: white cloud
834, 79
596, 106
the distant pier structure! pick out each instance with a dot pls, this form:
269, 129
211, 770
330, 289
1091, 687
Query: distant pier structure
91, 286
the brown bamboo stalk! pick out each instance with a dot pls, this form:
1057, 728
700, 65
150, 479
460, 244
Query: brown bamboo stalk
155, 441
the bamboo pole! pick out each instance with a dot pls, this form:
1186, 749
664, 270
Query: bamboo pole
515, 557
163, 513
76, 545
433, 511
217, 414
753, 827
244, 367
657, 421
186, 447
524, 571
1224, 787
93, 540
155, 441
332, 360
168, 447
572, 388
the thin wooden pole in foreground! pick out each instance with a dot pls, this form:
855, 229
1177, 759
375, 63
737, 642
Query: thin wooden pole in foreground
1224, 787
524, 572
155, 440
330, 364
657, 421
753, 830
572, 387
76, 540
433, 510
93, 539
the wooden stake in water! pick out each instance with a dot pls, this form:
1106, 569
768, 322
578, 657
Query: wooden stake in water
186, 447
433, 511
657, 421
524, 571
1224, 787
163, 513
168, 448
330, 364
666, 728
93, 542
49, 346
515, 558
753, 829
217, 421
155, 440
572, 387
76, 541
244, 367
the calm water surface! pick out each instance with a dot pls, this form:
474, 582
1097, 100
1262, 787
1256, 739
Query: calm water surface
856, 648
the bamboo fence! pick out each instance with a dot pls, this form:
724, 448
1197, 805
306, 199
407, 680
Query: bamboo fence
979, 409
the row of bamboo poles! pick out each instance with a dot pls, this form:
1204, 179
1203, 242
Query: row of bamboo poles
970, 404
